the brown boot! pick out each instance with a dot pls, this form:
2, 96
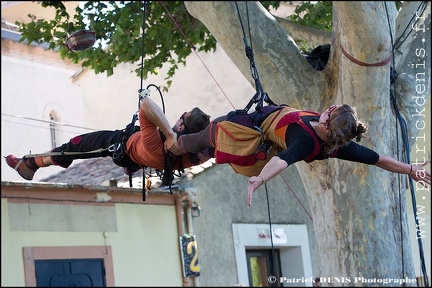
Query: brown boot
25, 168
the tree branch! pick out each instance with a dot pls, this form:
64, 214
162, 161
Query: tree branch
314, 37
276, 56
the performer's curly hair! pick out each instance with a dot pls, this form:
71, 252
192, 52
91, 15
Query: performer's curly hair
344, 126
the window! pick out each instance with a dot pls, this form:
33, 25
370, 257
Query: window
261, 266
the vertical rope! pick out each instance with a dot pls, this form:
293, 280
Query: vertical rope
196, 53
142, 47
144, 192
273, 266
405, 140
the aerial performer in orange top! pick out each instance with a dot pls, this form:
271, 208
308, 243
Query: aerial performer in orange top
140, 146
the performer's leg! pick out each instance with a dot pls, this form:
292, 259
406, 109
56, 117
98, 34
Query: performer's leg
27, 166
83, 143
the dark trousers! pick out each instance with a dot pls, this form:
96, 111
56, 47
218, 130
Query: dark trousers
87, 143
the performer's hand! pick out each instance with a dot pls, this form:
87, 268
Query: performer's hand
419, 173
254, 184
171, 144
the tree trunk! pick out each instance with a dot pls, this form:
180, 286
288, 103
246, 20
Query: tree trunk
359, 211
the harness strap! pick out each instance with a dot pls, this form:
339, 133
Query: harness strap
260, 96
61, 153
168, 173
169, 164
120, 146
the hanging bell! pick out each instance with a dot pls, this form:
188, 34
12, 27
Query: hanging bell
80, 40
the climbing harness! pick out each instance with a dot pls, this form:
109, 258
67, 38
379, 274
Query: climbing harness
259, 97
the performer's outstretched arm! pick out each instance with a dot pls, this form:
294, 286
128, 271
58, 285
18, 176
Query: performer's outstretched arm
276, 165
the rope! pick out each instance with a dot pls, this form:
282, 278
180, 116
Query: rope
273, 266
142, 94
144, 192
397, 147
166, 174
100, 150
402, 39
142, 48
298, 200
361, 63
194, 50
405, 140
260, 96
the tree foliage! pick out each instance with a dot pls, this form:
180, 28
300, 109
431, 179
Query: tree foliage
317, 15
118, 26
170, 32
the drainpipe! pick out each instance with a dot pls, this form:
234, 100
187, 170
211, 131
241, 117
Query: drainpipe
191, 192
179, 211
188, 207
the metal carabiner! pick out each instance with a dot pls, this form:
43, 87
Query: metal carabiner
112, 148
